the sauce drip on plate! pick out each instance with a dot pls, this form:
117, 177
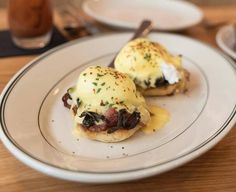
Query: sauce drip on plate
158, 120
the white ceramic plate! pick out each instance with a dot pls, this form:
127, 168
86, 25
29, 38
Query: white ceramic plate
37, 129
226, 38
168, 15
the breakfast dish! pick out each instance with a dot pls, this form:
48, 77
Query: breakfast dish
106, 105
154, 70
44, 142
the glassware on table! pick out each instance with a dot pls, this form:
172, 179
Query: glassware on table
30, 22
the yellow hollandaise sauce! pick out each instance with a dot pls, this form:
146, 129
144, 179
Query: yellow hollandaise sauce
159, 118
100, 88
146, 62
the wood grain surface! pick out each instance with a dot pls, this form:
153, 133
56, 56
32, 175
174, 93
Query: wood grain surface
213, 171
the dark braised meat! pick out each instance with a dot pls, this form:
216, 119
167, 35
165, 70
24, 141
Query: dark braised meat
65, 99
98, 128
74, 109
112, 120
126, 120
158, 83
90, 118
161, 82
111, 116
147, 83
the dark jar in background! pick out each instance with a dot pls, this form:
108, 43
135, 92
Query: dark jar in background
30, 22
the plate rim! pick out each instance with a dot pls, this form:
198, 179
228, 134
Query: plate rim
120, 24
106, 177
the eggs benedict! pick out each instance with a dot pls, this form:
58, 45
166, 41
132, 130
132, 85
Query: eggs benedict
106, 105
152, 68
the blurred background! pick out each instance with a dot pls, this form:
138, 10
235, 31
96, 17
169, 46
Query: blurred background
199, 2
213, 2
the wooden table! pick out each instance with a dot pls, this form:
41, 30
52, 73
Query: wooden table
213, 171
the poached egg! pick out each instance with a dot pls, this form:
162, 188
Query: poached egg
147, 63
100, 88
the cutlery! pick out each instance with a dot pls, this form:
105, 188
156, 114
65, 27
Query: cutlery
144, 28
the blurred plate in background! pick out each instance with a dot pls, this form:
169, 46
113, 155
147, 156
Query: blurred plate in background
167, 15
226, 40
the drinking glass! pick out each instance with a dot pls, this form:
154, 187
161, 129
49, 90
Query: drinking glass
30, 22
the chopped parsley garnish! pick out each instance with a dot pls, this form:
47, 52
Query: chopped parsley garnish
147, 83
99, 75
147, 56
94, 83
99, 89
70, 90
78, 102
111, 104
101, 103
103, 84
